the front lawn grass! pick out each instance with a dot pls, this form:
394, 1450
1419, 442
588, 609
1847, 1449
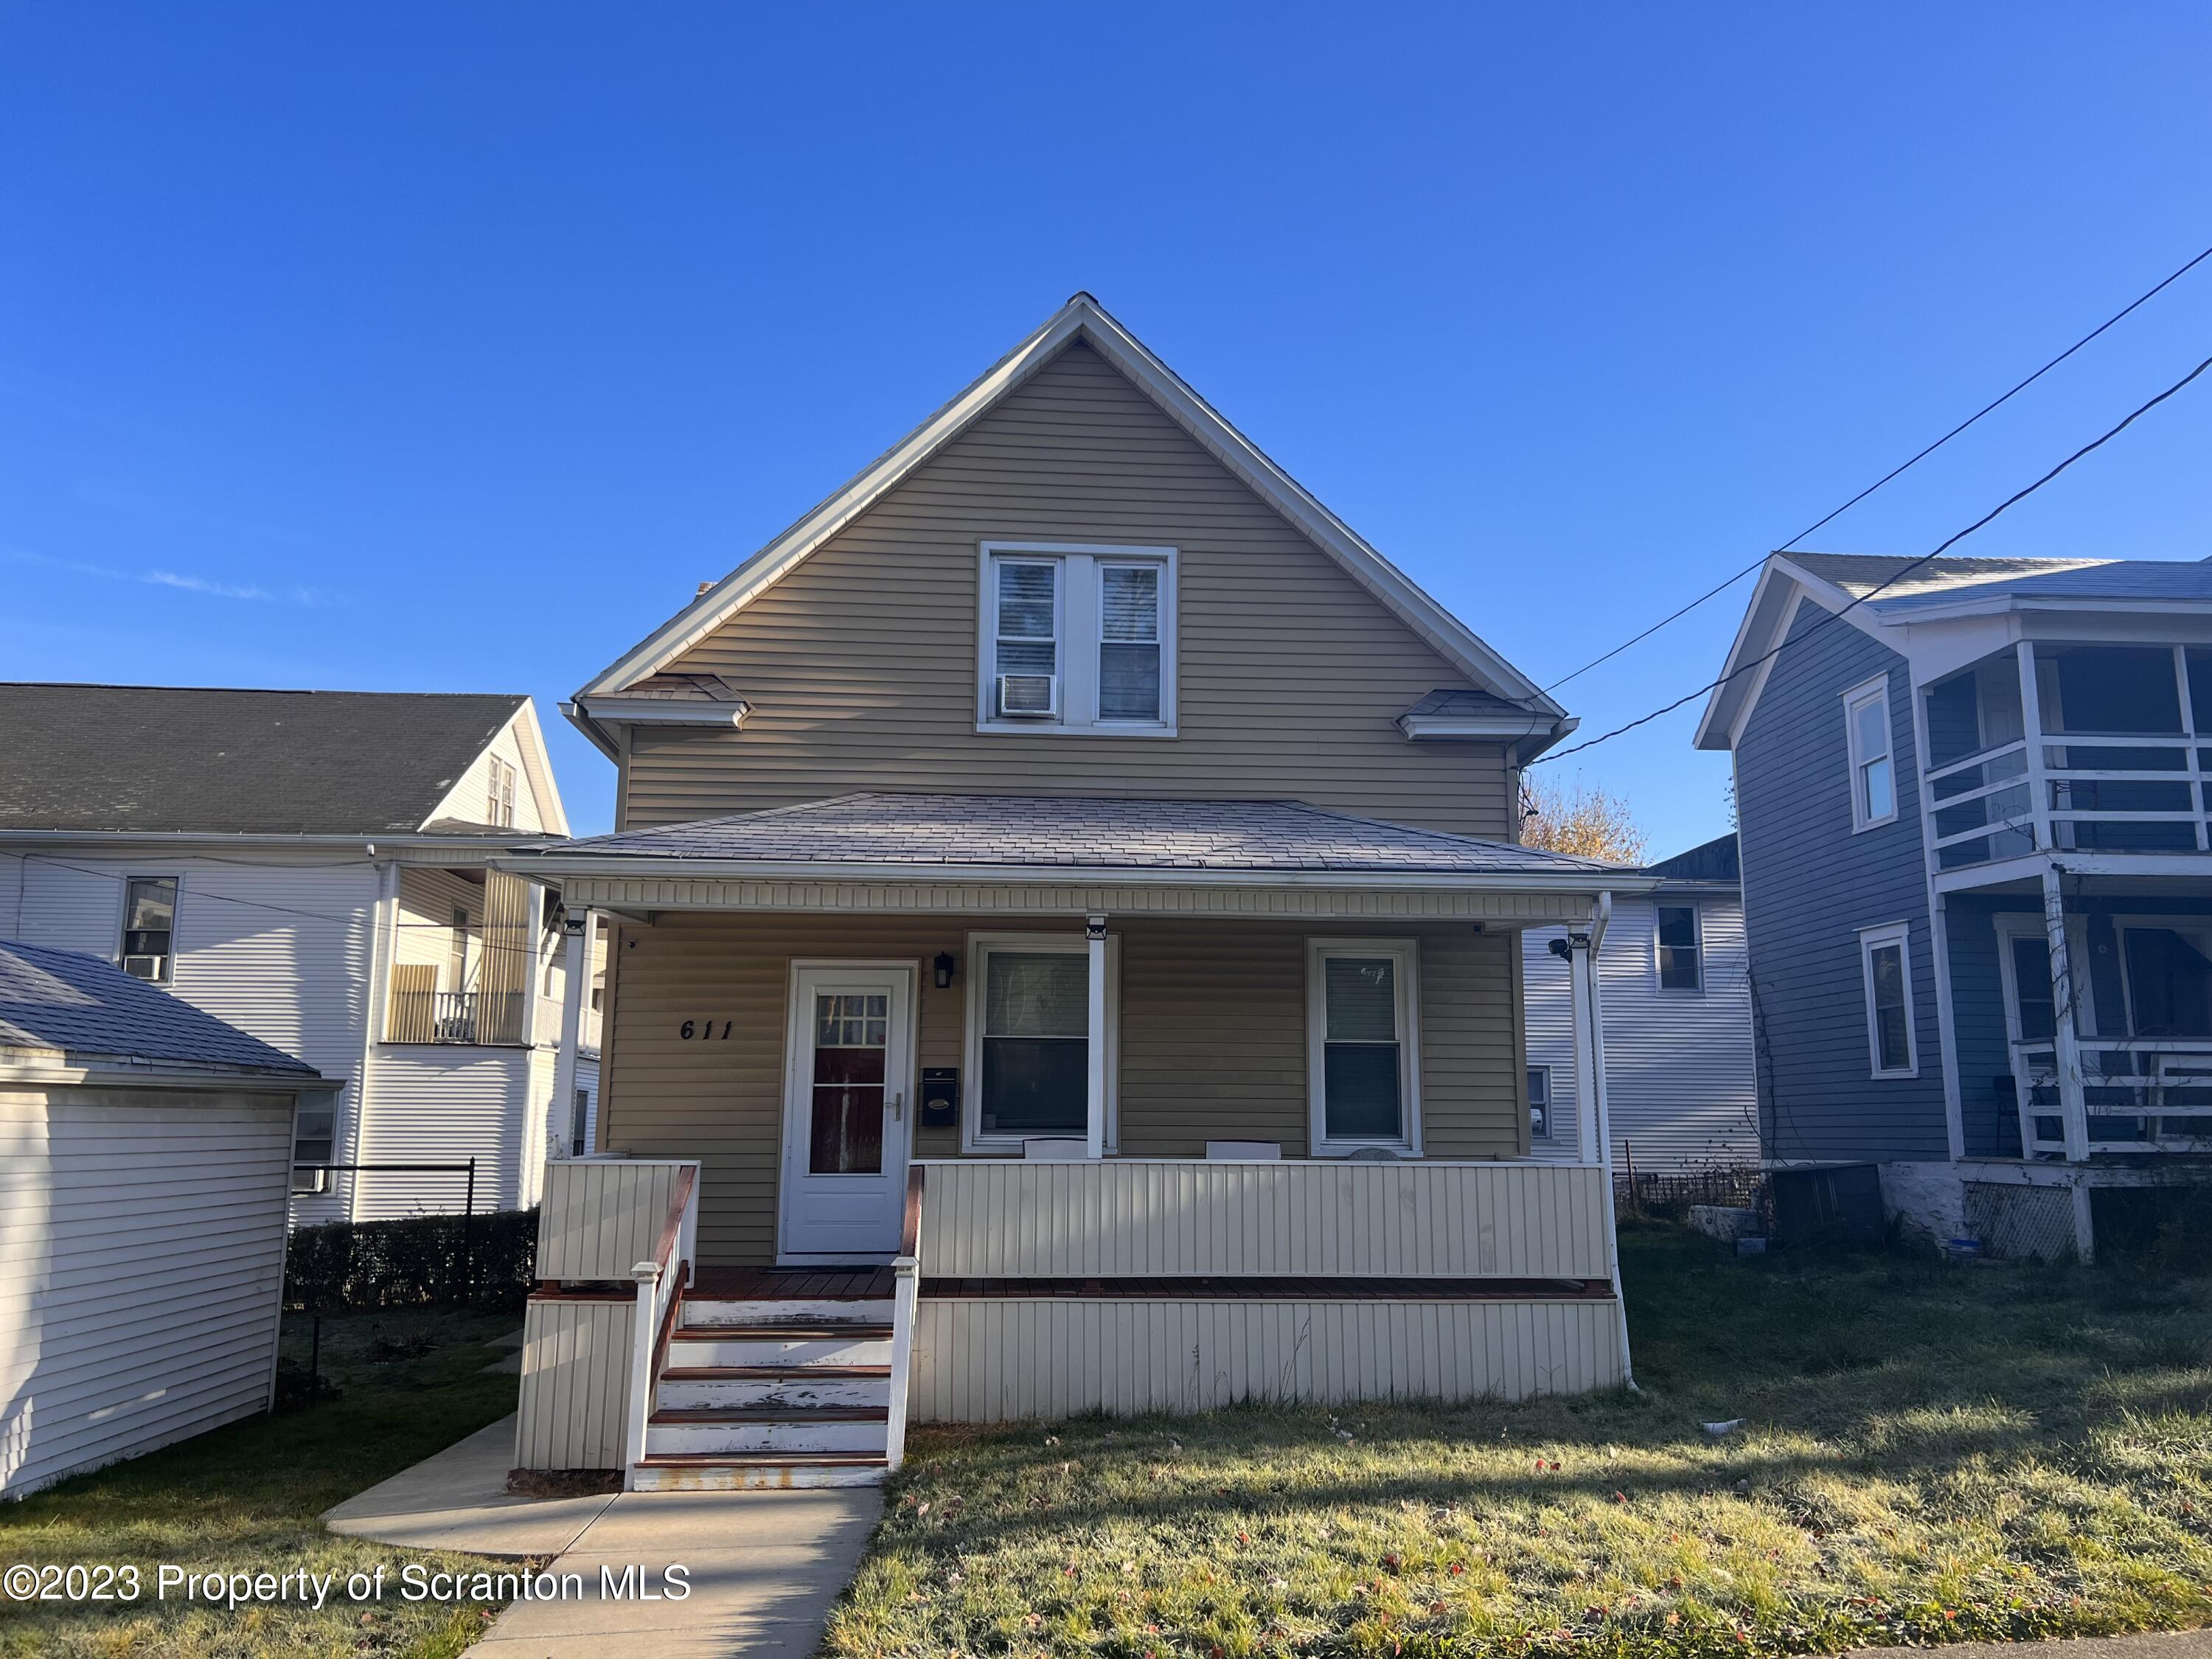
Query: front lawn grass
1928, 1453
245, 1497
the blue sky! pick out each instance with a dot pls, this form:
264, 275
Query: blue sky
449, 347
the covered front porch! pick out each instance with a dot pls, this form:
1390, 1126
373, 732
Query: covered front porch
1129, 1140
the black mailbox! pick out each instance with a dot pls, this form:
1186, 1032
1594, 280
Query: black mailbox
940, 1096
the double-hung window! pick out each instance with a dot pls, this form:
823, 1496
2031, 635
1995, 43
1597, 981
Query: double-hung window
501, 790
1681, 967
1874, 769
1886, 967
1362, 1059
1539, 1103
149, 927
314, 1141
1028, 1030
1076, 638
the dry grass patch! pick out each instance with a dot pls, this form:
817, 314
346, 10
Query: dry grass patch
1919, 1463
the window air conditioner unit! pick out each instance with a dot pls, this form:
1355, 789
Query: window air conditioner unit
145, 967
1029, 697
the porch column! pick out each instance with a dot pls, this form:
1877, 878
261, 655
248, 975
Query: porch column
576, 930
2066, 1040
1591, 1131
1094, 1117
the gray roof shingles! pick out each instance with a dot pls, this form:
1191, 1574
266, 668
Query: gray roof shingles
1941, 581
60, 999
165, 758
1078, 832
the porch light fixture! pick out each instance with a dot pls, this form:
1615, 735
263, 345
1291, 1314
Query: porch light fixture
946, 964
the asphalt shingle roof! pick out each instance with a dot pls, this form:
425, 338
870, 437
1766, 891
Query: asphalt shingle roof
1716, 859
279, 762
1941, 581
60, 999
1079, 832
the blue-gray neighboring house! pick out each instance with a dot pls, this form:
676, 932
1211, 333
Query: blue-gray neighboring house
1976, 882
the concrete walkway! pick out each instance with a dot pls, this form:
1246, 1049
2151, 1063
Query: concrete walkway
762, 1567
458, 1500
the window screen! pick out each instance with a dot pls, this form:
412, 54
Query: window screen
1361, 1062
1129, 642
1037, 1010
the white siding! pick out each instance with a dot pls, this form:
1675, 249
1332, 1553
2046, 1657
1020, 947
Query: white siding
439, 1104
999, 1218
576, 1358
1678, 1064
991, 1360
469, 799
280, 947
142, 1252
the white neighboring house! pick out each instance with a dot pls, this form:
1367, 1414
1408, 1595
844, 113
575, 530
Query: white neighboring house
145, 1160
1675, 993
314, 867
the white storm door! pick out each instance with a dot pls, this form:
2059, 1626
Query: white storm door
847, 1116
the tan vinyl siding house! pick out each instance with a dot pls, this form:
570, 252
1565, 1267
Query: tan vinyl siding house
861, 664
1069, 823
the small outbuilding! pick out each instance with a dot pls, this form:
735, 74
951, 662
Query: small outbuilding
145, 1165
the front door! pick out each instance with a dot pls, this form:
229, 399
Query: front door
846, 1125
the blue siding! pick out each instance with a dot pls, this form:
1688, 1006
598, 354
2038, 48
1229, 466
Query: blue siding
1810, 883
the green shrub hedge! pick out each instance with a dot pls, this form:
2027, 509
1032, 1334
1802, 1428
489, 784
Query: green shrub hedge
419, 1261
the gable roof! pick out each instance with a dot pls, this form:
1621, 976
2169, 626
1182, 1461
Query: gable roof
929, 834
1884, 591
80, 1006
1716, 859
184, 759
1081, 318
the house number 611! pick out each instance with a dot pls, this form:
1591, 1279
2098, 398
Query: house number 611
704, 1031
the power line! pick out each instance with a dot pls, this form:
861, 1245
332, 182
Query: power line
1898, 576
1826, 518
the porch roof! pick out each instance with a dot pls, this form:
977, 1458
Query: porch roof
923, 833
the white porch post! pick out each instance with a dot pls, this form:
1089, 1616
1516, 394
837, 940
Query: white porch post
1582, 986
2066, 1040
576, 931
1094, 935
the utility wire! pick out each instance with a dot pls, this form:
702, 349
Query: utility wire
1905, 570
1988, 408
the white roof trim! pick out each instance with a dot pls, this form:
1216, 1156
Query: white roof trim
1081, 317
665, 711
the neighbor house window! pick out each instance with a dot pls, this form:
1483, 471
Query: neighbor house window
1029, 1037
580, 1122
1680, 967
1539, 1103
314, 1139
1874, 771
1887, 967
1362, 1060
1076, 638
457, 951
502, 793
149, 927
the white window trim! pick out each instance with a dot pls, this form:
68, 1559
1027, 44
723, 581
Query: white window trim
176, 918
1406, 954
1550, 1137
1878, 686
980, 946
1899, 933
1076, 619
503, 771
1697, 942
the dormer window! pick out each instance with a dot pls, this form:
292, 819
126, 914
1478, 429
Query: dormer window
1076, 638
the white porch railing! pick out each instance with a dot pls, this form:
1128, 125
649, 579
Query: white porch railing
2161, 1086
1996, 804
1318, 1217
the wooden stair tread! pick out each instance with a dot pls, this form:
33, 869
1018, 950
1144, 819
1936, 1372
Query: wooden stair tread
773, 1373
764, 1459
694, 1415
868, 1333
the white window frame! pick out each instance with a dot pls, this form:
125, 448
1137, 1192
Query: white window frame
1858, 694
1078, 632
1871, 939
979, 948
1405, 953
319, 1181
176, 879
1658, 946
1550, 1106
501, 790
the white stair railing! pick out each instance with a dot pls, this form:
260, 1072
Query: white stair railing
660, 1284
906, 1276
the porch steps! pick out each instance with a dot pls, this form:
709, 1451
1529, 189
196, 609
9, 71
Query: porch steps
769, 1392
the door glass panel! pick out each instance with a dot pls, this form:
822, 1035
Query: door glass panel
2169, 982
2030, 979
852, 1035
